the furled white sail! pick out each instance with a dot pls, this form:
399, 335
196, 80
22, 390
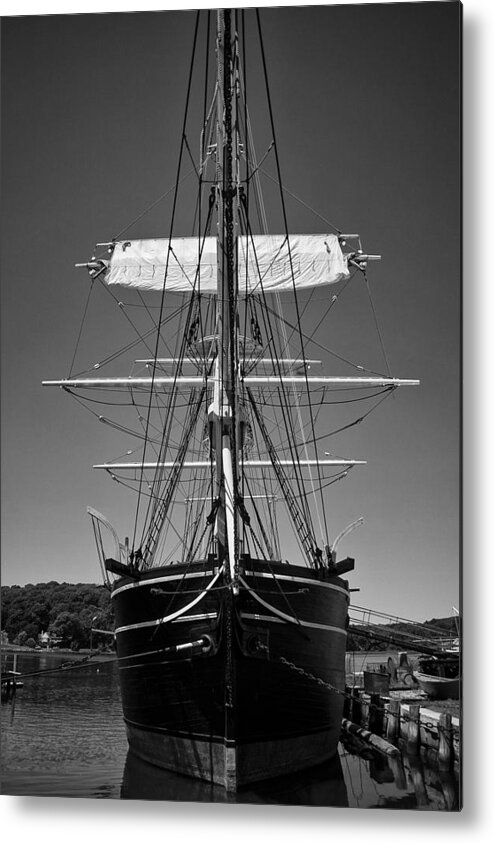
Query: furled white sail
266, 263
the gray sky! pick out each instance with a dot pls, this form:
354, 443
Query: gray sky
366, 108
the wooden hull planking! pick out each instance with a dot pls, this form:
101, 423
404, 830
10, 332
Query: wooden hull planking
227, 689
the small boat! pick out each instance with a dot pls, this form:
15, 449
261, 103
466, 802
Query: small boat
10, 683
438, 687
231, 616
439, 677
10, 676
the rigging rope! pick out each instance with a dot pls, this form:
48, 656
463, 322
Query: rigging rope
285, 403
288, 406
367, 286
179, 165
153, 205
140, 337
301, 201
167, 424
330, 351
91, 286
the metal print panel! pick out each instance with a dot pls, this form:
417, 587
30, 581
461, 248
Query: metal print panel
270, 609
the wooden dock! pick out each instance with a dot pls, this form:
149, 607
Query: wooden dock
403, 718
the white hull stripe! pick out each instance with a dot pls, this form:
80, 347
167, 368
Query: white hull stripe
252, 616
291, 578
155, 580
203, 617
178, 613
270, 619
257, 574
290, 618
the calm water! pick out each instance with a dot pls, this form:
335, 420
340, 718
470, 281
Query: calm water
63, 735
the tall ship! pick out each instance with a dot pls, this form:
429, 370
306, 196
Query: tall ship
230, 601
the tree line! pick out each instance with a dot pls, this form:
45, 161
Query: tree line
60, 614
66, 613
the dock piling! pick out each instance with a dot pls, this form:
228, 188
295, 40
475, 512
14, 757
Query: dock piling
445, 732
393, 720
376, 714
413, 732
396, 766
417, 771
449, 789
356, 707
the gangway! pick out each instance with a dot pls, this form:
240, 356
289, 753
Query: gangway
401, 632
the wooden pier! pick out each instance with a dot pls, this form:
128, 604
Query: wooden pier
401, 719
10, 683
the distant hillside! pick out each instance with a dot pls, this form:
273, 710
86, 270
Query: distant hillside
65, 611
450, 625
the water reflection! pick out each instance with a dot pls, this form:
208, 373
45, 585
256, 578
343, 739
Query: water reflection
322, 786
62, 732
365, 779
375, 780
63, 735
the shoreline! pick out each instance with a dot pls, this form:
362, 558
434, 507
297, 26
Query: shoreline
62, 651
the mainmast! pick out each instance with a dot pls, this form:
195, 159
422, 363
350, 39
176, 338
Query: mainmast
224, 410
226, 269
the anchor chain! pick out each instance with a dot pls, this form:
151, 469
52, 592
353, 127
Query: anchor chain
426, 724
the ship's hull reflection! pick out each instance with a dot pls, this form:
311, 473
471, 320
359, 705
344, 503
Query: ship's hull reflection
322, 786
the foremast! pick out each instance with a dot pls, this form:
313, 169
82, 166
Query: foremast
229, 273
223, 413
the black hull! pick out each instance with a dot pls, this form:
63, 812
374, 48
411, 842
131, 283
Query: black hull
232, 689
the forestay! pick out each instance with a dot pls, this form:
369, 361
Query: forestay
266, 263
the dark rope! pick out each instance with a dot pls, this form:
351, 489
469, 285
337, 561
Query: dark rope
158, 335
81, 327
